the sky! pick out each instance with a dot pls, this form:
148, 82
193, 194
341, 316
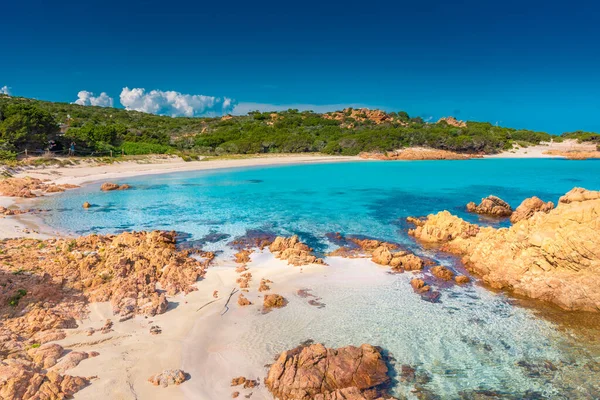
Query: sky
523, 64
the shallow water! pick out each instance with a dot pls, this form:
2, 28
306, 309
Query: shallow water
472, 340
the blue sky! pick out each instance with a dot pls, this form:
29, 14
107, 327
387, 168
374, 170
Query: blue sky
532, 64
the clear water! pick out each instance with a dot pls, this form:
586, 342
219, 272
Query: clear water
472, 339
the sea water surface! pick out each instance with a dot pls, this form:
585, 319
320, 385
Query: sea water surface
472, 339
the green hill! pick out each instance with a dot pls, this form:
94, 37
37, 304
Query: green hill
27, 124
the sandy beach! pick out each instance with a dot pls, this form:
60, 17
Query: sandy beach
541, 150
210, 341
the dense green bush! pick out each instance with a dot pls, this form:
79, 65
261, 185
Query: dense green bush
138, 148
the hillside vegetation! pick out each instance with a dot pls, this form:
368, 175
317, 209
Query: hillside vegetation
38, 126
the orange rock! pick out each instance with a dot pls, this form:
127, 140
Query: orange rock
553, 256
86, 205
529, 207
243, 256
417, 153
292, 250
273, 301
243, 301
108, 186
240, 380
462, 279
491, 205
442, 273
316, 372
453, 122
168, 377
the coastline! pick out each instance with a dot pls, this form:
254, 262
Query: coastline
130, 354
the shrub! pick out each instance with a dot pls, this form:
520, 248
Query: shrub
138, 148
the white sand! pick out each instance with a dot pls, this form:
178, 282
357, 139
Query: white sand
539, 150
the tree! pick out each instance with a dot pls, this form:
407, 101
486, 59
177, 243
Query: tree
24, 126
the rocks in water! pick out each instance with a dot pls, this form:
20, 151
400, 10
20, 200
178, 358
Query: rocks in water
382, 253
492, 206
462, 279
553, 256
419, 285
295, 252
274, 300
109, 186
86, 205
168, 377
320, 373
441, 228
442, 273
243, 301
529, 207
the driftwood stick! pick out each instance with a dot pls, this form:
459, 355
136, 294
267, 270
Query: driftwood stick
226, 307
210, 302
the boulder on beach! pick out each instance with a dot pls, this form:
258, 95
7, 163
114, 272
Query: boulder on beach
317, 372
295, 252
168, 377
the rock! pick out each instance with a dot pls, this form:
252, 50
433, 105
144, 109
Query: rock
28, 187
442, 227
71, 360
295, 252
529, 207
442, 273
453, 122
168, 377
46, 355
316, 372
462, 279
243, 256
235, 394
216, 294
418, 153
273, 301
242, 301
86, 205
491, 205
553, 256
419, 285
109, 186
240, 380
155, 330
264, 287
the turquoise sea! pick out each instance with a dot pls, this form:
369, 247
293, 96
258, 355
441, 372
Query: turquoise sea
472, 340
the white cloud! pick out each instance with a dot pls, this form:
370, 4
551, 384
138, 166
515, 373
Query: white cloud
85, 98
5, 90
174, 103
244, 108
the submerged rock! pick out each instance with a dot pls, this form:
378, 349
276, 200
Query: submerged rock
320, 373
553, 256
491, 205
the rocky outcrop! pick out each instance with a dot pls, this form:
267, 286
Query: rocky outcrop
109, 186
361, 115
295, 252
529, 207
30, 187
441, 228
168, 377
243, 256
418, 153
45, 287
316, 372
453, 122
492, 206
553, 256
